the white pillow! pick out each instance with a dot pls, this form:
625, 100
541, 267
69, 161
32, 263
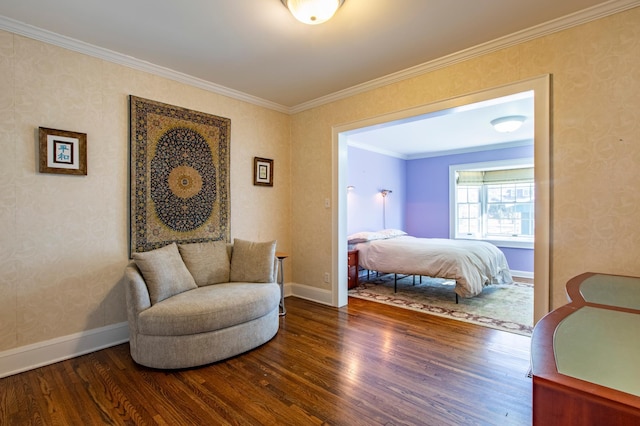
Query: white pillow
363, 237
392, 233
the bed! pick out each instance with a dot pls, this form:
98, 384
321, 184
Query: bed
472, 264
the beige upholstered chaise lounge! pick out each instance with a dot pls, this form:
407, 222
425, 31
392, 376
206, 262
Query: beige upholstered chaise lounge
194, 304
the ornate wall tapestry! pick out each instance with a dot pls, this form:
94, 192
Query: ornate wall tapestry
179, 175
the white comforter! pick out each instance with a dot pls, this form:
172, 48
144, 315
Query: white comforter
473, 264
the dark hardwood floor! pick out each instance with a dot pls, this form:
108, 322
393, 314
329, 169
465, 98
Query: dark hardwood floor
365, 364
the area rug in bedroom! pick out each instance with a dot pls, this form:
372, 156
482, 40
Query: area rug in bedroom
507, 307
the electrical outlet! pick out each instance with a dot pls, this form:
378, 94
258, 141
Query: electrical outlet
327, 277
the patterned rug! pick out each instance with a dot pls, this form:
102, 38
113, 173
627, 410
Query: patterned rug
179, 182
507, 307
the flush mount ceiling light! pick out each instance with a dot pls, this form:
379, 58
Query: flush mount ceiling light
508, 124
312, 12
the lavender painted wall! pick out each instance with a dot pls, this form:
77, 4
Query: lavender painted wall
419, 203
427, 209
369, 172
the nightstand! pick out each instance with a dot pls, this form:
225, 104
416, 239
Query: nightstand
352, 269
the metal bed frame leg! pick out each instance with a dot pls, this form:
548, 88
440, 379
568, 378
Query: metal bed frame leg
395, 283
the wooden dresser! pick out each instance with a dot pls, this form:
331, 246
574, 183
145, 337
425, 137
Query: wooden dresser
585, 355
352, 270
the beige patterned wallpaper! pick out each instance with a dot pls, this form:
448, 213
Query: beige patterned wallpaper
64, 239
595, 69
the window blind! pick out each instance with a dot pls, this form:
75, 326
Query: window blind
475, 177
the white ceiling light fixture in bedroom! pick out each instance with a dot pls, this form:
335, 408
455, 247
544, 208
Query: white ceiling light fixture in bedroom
510, 123
313, 12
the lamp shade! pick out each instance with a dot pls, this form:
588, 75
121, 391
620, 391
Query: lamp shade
313, 12
510, 123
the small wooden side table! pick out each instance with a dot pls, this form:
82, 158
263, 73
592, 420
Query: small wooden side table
352, 271
281, 256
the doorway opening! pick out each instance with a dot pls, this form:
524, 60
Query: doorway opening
540, 88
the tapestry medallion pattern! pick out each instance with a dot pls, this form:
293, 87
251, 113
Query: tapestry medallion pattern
179, 175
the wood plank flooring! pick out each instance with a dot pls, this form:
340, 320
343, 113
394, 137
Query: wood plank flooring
365, 364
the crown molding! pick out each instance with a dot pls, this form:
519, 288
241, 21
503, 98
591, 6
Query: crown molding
421, 155
69, 43
377, 150
572, 20
560, 24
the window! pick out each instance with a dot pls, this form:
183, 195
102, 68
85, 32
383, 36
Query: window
494, 201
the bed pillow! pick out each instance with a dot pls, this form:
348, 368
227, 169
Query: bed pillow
392, 233
208, 262
164, 272
363, 237
252, 262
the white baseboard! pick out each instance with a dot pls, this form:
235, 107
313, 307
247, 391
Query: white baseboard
36, 355
523, 274
288, 289
310, 293
28, 357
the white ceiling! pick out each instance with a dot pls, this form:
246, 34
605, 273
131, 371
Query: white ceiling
448, 131
255, 50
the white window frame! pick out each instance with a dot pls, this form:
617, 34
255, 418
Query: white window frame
516, 242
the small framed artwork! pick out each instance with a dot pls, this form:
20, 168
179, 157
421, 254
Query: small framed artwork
262, 171
63, 152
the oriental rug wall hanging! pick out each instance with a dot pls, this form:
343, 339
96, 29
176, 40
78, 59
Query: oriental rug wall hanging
179, 175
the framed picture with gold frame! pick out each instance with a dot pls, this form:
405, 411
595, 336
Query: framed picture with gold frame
262, 171
62, 152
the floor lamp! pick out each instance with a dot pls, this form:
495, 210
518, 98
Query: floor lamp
384, 193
